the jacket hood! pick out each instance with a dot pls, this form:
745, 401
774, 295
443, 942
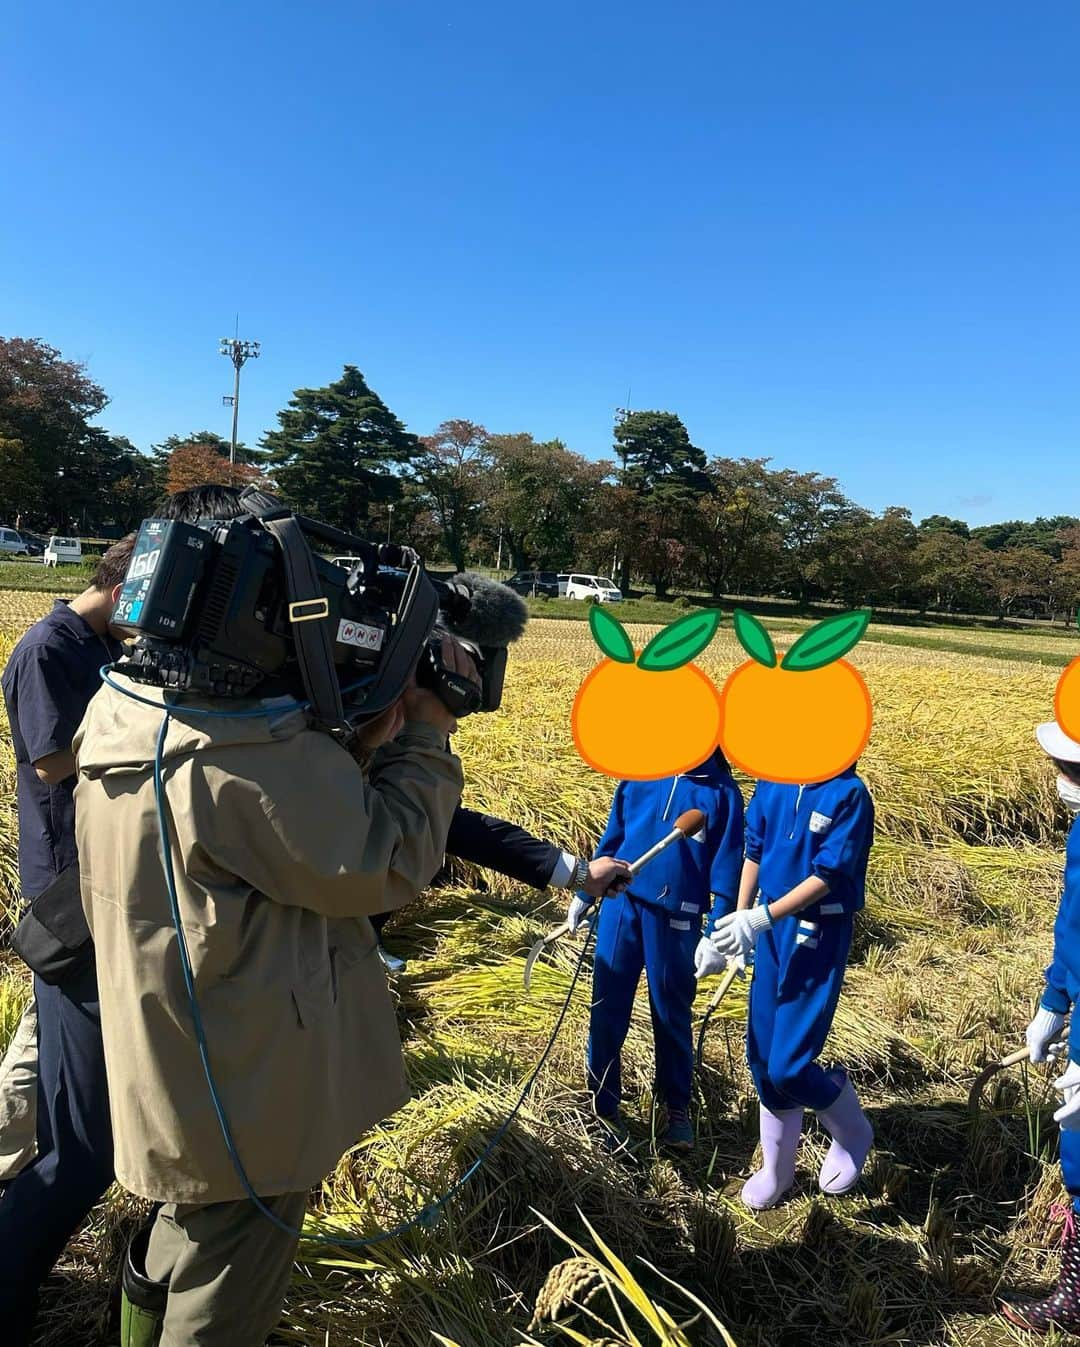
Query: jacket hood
121, 734
712, 769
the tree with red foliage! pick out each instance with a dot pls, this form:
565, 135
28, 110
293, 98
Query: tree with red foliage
196, 463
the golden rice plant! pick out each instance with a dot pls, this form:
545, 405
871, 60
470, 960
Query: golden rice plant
601, 1292
19, 609
14, 994
963, 885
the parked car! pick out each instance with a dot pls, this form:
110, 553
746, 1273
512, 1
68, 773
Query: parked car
12, 544
63, 551
538, 584
35, 546
593, 587
564, 580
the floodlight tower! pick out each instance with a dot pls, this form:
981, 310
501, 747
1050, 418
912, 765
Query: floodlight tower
621, 413
238, 352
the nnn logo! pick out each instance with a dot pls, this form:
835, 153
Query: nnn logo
355, 633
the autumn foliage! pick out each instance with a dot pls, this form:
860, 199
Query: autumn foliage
195, 464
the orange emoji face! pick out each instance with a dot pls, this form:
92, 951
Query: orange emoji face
1067, 700
804, 719
644, 717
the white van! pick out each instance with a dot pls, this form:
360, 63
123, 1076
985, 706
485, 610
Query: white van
63, 551
12, 544
593, 587
564, 580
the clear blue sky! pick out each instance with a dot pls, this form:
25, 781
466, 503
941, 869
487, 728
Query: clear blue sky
842, 233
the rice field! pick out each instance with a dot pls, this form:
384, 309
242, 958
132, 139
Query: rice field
556, 1242
1057, 642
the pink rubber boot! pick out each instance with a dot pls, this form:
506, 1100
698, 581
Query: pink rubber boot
780, 1133
852, 1137
1061, 1308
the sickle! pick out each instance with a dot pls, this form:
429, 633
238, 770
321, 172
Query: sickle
989, 1072
539, 948
734, 968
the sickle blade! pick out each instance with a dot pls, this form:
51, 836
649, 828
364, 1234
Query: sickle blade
542, 943
534, 954
974, 1101
732, 972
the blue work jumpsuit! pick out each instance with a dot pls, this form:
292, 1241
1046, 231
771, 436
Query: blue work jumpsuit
795, 832
656, 923
1063, 991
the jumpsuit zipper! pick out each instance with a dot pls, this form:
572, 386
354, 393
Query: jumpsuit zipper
795, 819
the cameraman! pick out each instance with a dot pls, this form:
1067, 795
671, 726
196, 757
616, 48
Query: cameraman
281, 847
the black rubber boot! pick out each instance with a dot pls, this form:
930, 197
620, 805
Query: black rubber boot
1061, 1308
142, 1306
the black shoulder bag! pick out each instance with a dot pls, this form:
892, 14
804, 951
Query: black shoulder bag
52, 936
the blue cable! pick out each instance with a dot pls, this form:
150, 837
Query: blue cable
426, 1215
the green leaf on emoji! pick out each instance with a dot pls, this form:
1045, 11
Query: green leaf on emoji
610, 635
680, 642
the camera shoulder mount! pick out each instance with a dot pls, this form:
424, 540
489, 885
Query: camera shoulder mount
309, 610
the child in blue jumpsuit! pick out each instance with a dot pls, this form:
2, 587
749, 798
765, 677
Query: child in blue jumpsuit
656, 925
1061, 1307
803, 880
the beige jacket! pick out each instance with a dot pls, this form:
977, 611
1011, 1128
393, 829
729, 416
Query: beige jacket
18, 1097
281, 848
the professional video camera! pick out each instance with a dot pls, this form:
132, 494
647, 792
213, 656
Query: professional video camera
239, 607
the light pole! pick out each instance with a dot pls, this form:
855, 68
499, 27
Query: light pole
621, 413
389, 519
238, 352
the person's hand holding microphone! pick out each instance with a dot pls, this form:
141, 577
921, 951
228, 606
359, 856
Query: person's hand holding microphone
605, 877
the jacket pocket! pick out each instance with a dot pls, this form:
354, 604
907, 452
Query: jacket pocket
313, 995
316, 991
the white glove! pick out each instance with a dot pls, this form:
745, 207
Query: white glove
576, 911
1046, 1025
707, 959
1068, 1115
736, 934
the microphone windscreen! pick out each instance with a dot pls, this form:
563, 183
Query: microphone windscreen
496, 616
690, 822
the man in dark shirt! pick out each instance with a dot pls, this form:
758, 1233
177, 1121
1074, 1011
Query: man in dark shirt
49, 680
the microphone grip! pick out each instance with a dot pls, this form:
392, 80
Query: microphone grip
655, 851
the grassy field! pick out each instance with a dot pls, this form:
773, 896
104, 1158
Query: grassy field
963, 888
27, 577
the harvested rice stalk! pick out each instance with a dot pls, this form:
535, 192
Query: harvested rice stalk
571, 1286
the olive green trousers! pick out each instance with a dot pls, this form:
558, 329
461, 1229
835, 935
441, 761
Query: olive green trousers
227, 1267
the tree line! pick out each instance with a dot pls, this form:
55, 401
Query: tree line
660, 512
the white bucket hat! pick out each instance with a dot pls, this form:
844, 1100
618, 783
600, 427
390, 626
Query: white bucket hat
1054, 741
